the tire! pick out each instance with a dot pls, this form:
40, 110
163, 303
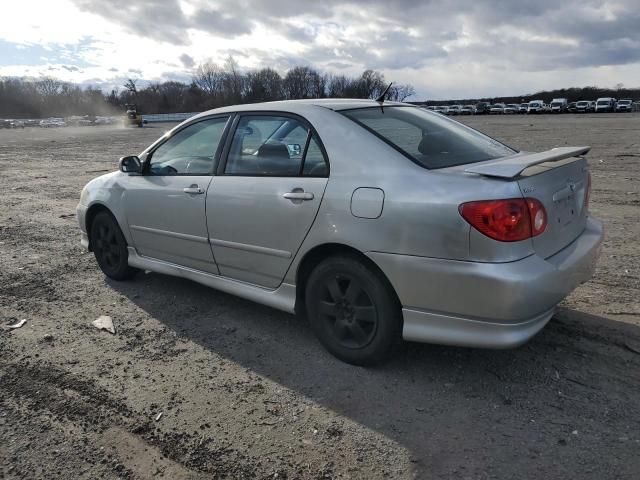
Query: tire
110, 247
353, 311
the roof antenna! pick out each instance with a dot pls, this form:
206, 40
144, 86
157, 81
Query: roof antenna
380, 99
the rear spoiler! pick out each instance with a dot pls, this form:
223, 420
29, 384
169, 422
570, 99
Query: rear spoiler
514, 165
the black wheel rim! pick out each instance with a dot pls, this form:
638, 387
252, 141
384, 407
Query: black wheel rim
106, 247
347, 311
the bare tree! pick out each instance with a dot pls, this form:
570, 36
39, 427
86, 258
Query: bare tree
209, 77
401, 92
130, 86
263, 85
49, 86
318, 85
371, 84
233, 80
298, 83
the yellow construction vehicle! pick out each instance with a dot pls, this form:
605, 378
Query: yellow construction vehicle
133, 118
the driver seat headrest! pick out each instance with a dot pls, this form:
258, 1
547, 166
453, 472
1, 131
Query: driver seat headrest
274, 150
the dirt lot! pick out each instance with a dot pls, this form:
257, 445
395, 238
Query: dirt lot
247, 392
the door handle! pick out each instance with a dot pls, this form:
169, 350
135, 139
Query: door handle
298, 195
193, 189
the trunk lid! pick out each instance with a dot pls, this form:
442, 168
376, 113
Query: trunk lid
561, 188
558, 178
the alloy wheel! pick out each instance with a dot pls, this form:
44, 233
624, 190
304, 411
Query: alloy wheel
106, 246
348, 311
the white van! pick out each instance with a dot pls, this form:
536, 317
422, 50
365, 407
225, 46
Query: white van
536, 106
605, 104
559, 105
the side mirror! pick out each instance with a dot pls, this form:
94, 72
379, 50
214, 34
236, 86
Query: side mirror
130, 164
294, 149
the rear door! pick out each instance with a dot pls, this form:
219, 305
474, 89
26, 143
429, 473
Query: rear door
265, 196
561, 187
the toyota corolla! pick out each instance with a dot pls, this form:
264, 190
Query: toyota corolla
379, 222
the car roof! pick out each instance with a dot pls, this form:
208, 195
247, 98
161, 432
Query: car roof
300, 106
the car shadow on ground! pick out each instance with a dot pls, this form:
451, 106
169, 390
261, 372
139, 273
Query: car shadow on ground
570, 392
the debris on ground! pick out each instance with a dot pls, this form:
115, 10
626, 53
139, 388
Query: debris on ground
16, 325
159, 416
104, 322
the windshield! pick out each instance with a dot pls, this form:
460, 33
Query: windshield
603, 102
430, 140
582, 104
624, 102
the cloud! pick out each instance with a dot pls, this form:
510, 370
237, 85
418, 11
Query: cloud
470, 47
161, 20
187, 61
225, 24
164, 20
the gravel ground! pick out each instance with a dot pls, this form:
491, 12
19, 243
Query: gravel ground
247, 392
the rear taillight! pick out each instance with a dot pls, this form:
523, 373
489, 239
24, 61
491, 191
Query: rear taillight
538, 216
508, 220
587, 193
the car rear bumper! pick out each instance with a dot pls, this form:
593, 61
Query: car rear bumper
427, 327
492, 305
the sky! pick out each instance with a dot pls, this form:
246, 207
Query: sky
444, 48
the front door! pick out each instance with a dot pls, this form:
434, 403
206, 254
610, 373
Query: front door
265, 197
165, 207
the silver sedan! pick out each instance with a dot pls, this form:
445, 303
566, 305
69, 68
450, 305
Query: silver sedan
379, 221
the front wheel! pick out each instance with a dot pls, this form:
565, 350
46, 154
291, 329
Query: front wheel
110, 247
353, 310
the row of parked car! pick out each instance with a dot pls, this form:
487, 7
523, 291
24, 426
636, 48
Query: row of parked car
54, 122
557, 105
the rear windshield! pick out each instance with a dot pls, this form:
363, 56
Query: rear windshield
431, 140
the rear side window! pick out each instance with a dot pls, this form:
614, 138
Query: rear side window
315, 164
428, 139
275, 146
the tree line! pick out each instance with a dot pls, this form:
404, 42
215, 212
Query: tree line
211, 86
45, 97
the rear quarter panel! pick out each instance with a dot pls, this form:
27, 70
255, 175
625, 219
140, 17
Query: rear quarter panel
420, 214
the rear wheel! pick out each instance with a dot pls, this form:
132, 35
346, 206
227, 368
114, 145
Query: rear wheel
353, 311
110, 247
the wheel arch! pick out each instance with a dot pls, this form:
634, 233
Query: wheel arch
90, 216
317, 254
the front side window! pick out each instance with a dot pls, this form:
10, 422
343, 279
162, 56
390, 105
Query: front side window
278, 146
430, 140
190, 151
